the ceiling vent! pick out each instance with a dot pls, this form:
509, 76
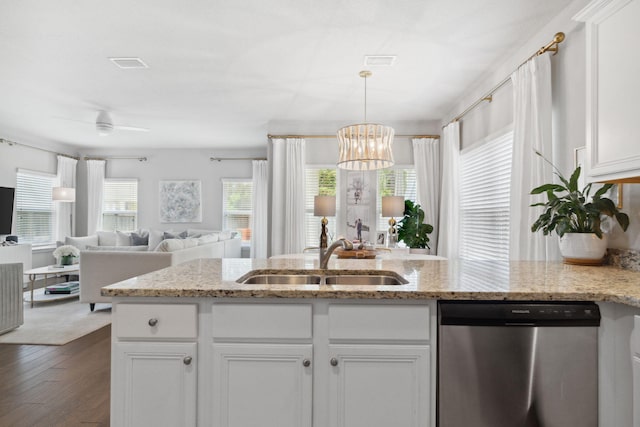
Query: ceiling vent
129, 63
379, 60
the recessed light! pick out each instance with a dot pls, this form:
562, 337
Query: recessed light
129, 63
379, 60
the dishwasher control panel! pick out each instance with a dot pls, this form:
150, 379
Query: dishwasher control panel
508, 313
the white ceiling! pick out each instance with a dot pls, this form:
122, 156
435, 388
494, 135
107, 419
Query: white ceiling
222, 71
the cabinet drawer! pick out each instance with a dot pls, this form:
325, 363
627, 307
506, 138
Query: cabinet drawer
379, 322
157, 321
262, 321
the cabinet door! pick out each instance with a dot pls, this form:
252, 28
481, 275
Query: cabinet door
262, 385
154, 385
379, 385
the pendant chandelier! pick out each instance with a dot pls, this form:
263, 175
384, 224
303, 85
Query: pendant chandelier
365, 146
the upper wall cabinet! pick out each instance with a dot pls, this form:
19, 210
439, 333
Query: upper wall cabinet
613, 89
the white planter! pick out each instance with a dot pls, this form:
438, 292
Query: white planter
422, 251
583, 248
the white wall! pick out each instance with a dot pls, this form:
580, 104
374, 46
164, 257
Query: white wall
569, 113
179, 164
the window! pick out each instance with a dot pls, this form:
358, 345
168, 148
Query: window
120, 205
485, 174
394, 182
319, 182
236, 206
35, 212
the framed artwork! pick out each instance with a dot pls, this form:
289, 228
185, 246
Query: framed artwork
180, 201
380, 238
358, 223
358, 206
358, 188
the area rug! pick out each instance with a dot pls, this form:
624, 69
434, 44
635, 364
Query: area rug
57, 323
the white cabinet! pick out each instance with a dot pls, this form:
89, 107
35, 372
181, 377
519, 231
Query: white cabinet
154, 365
156, 385
613, 88
267, 385
635, 364
379, 385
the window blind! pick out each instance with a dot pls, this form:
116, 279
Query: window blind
319, 182
35, 211
120, 204
236, 206
394, 182
484, 199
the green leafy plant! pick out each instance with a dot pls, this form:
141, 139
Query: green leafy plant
571, 210
411, 229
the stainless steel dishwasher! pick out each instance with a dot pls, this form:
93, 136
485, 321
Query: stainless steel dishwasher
506, 364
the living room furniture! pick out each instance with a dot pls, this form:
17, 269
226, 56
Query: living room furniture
100, 268
17, 253
50, 270
11, 309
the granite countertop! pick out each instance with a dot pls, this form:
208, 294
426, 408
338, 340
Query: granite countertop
431, 279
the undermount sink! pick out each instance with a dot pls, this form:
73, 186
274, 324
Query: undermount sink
283, 279
376, 280
351, 277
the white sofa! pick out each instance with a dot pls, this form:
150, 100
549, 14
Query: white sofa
103, 266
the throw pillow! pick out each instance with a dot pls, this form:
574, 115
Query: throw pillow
199, 232
139, 239
155, 237
170, 245
123, 239
173, 235
81, 242
106, 238
189, 243
208, 238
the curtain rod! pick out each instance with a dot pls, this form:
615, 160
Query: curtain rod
334, 136
10, 143
552, 46
140, 158
219, 159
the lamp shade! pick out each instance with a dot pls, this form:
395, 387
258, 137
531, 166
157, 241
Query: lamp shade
324, 205
63, 194
392, 206
365, 146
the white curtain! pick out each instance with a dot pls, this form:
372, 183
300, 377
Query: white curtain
449, 221
260, 215
426, 159
532, 132
287, 218
95, 187
66, 177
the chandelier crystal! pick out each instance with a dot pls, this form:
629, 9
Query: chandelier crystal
365, 146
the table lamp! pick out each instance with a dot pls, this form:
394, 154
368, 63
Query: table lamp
392, 206
324, 206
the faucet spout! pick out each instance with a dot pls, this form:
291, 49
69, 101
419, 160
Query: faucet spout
325, 255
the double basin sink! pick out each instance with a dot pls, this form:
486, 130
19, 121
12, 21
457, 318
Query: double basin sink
331, 277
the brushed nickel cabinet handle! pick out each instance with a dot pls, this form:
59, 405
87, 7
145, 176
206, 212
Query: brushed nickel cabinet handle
306, 363
187, 360
333, 361
153, 321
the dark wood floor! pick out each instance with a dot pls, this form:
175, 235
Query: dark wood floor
56, 385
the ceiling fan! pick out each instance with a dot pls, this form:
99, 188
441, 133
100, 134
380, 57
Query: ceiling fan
104, 125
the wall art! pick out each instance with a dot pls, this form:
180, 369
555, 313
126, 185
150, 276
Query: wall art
180, 201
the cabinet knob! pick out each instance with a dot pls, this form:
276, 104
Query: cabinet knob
187, 360
333, 361
306, 363
153, 321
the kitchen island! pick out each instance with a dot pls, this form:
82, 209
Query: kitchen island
192, 346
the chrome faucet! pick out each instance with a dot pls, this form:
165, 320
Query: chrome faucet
325, 255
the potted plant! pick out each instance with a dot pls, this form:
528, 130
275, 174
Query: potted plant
65, 254
411, 228
577, 217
